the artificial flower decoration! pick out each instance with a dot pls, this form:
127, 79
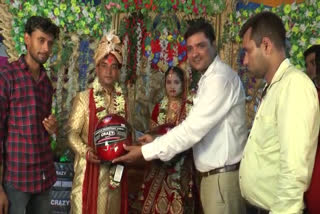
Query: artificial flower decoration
70, 16
301, 21
203, 7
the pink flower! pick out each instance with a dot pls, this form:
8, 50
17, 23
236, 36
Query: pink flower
195, 10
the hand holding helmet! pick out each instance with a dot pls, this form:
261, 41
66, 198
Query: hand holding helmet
111, 133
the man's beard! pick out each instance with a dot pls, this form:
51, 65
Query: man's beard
38, 60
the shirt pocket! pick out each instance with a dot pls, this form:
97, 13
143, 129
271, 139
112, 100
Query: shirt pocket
266, 135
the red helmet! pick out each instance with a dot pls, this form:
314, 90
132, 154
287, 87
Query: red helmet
111, 133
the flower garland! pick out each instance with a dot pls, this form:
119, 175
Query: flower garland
301, 21
123, 71
72, 73
204, 7
138, 53
164, 52
164, 108
100, 101
102, 111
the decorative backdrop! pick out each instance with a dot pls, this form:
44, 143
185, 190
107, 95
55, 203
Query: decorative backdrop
152, 34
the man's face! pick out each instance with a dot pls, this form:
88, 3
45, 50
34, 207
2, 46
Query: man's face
254, 59
200, 51
173, 85
39, 45
311, 65
108, 71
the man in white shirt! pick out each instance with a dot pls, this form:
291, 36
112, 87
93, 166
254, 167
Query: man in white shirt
215, 127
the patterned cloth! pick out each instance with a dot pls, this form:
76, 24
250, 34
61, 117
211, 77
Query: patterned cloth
25, 146
108, 200
169, 187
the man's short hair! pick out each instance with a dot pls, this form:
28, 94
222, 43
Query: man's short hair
200, 25
310, 50
265, 24
43, 24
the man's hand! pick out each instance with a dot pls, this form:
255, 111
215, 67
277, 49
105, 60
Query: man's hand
134, 154
4, 203
92, 157
147, 138
50, 124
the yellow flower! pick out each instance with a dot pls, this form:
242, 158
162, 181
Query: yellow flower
91, 15
77, 9
238, 39
63, 6
46, 12
70, 18
95, 26
287, 8
20, 14
295, 29
56, 11
27, 6
231, 17
310, 13
180, 38
258, 10
300, 55
170, 38
294, 48
73, 1
21, 39
62, 23
286, 26
303, 39
86, 31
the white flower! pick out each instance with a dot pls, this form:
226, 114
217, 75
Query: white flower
16, 4
294, 6
302, 43
302, 27
313, 41
51, 15
85, 13
238, 14
41, 3
57, 21
34, 8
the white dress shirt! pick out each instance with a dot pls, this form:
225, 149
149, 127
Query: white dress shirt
215, 127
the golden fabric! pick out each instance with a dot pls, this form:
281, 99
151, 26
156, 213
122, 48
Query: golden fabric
108, 201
